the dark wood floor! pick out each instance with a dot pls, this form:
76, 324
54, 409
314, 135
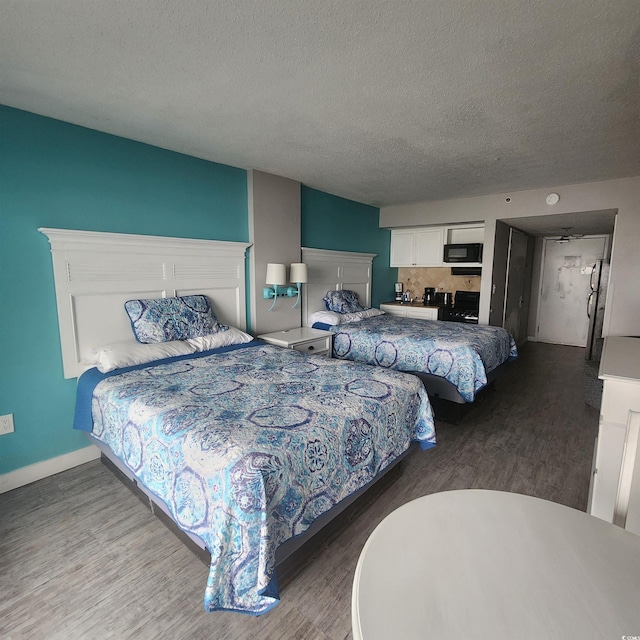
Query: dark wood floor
81, 557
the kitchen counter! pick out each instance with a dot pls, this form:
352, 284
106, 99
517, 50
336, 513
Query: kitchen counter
420, 305
620, 359
414, 310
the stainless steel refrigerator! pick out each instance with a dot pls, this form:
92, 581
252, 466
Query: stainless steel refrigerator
595, 309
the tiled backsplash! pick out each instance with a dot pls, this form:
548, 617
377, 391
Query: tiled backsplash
415, 279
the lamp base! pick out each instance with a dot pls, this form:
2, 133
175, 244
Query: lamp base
289, 292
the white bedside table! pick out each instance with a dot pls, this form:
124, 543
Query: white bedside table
312, 341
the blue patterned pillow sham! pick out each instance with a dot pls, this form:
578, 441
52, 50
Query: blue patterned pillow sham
344, 301
165, 319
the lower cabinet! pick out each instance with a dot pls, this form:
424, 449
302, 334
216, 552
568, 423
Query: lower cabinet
408, 311
614, 494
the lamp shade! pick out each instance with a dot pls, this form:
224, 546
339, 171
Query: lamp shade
276, 274
298, 272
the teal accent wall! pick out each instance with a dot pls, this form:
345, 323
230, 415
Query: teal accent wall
53, 174
331, 222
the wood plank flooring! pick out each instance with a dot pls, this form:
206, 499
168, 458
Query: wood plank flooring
81, 557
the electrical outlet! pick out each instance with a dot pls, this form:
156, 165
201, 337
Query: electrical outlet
6, 424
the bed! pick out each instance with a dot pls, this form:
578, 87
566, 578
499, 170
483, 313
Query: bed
454, 360
247, 447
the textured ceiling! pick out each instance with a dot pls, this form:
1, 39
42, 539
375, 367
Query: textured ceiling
383, 102
579, 222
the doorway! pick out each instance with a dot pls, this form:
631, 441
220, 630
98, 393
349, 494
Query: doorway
564, 289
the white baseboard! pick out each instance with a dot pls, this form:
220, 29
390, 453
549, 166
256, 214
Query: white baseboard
531, 339
39, 470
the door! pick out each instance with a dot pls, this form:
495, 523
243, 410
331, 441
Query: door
564, 290
512, 319
428, 247
402, 248
499, 273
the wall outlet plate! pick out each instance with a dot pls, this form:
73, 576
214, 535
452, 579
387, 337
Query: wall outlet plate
6, 424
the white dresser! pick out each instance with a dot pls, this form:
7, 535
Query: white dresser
614, 494
410, 311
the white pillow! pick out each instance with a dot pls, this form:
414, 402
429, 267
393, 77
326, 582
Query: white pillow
222, 339
356, 316
127, 354
326, 317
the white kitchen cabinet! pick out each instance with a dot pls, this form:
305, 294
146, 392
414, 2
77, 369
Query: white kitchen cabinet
417, 247
424, 246
462, 234
615, 481
410, 311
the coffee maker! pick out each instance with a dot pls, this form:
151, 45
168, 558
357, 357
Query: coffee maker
429, 295
399, 288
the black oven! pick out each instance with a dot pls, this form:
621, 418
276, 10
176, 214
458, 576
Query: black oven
463, 252
465, 308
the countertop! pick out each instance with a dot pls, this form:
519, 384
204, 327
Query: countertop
620, 359
419, 305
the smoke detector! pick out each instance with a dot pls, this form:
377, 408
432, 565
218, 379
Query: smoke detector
553, 198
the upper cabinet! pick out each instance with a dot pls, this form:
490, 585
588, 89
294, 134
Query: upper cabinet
424, 246
416, 247
463, 234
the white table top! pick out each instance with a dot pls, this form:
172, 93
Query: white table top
289, 336
620, 359
480, 564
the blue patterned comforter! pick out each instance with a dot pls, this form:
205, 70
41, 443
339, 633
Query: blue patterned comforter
248, 447
461, 353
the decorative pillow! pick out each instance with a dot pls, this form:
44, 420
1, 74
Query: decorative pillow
361, 315
127, 354
220, 339
165, 319
344, 301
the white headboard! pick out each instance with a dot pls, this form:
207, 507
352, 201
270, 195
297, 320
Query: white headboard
334, 270
96, 273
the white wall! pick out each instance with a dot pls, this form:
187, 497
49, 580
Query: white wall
274, 230
622, 316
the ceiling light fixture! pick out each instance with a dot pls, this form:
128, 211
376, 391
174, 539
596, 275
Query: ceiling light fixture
567, 237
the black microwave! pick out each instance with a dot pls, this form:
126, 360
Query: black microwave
463, 252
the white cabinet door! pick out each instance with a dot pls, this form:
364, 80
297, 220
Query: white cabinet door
427, 313
428, 246
393, 310
419, 313
402, 248
417, 247
607, 472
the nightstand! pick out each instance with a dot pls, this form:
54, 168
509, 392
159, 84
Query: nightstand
312, 341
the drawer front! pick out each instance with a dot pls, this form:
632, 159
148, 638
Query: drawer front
393, 311
423, 314
317, 346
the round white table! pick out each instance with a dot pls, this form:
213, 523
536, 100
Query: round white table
493, 565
